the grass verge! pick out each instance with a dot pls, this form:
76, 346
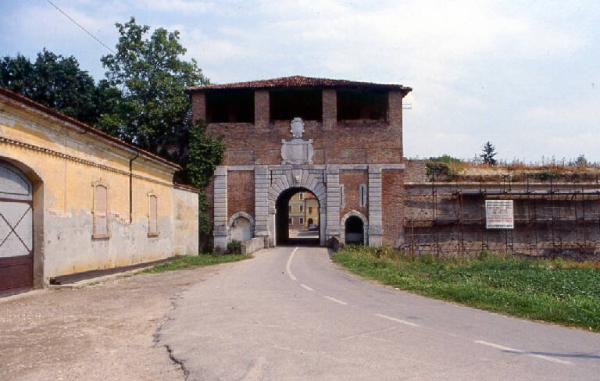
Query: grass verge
187, 261
555, 291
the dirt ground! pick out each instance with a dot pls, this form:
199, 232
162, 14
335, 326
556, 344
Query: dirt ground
101, 332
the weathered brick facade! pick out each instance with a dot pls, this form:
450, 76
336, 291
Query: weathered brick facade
331, 157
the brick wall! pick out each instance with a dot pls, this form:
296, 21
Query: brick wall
261, 109
351, 181
416, 171
393, 206
334, 142
199, 106
240, 198
329, 109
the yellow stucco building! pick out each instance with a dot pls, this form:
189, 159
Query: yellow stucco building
73, 199
303, 211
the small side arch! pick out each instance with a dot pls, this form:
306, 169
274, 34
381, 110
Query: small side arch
354, 214
239, 229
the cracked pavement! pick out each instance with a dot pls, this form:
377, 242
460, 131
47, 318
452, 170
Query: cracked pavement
291, 314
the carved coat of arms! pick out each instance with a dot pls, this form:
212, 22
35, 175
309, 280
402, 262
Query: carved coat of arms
296, 150
297, 128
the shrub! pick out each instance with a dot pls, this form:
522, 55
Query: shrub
234, 247
443, 166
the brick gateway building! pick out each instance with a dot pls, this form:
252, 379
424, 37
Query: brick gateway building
340, 140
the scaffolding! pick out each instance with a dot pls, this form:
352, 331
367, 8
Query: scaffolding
550, 218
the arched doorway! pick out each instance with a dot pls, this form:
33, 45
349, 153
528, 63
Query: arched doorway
16, 228
354, 228
297, 217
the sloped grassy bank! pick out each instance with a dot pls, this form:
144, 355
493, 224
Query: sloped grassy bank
555, 291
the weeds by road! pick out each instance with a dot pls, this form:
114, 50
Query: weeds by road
556, 291
182, 262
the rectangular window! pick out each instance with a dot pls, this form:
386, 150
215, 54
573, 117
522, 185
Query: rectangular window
310, 210
301, 220
153, 216
286, 104
301, 196
301, 208
362, 195
230, 106
290, 221
100, 212
362, 104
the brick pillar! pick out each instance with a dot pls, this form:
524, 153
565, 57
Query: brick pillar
375, 210
395, 117
198, 106
220, 209
329, 109
262, 183
262, 114
332, 179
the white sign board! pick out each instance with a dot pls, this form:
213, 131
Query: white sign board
499, 214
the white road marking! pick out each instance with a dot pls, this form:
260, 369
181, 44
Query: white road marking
289, 264
306, 287
335, 300
509, 349
397, 320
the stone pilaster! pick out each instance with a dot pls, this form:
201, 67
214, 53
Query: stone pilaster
332, 179
329, 109
220, 209
262, 182
375, 209
262, 113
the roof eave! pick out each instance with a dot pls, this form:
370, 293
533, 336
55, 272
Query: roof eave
74, 123
202, 89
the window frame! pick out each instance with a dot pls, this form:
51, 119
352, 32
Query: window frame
96, 213
363, 195
156, 232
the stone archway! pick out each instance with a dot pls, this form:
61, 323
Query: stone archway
363, 219
283, 219
241, 226
289, 179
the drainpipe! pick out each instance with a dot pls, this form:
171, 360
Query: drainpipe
137, 154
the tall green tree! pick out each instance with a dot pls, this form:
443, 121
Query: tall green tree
57, 82
488, 154
153, 110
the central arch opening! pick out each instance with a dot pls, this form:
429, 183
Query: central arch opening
297, 217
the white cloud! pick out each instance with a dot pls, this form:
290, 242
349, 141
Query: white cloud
480, 69
185, 6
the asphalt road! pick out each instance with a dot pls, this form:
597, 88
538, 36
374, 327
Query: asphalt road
291, 314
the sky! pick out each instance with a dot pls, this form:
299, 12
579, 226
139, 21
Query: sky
524, 75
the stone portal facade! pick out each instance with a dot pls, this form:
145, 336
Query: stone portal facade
340, 140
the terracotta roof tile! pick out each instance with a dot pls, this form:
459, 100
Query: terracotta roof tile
298, 81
